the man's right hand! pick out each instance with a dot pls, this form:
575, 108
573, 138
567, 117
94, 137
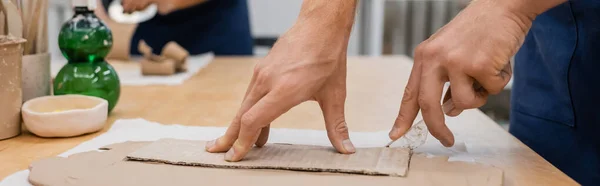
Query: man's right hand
472, 52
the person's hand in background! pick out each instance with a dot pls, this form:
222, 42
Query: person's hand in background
130, 6
163, 6
307, 63
472, 52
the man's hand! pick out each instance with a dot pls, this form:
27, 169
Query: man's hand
163, 6
130, 6
472, 52
307, 63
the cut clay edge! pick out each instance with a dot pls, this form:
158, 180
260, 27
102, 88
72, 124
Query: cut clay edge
25, 107
360, 172
363, 172
410, 154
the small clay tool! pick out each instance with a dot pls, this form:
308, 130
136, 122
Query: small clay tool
14, 20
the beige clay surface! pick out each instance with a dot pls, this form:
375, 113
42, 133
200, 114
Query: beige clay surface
369, 161
110, 168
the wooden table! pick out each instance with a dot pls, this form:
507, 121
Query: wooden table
375, 87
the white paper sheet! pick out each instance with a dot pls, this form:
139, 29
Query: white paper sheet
133, 76
143, 130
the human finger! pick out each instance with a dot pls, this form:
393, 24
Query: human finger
409, 108
264, 136
491, 79
335, 123
430, 93
257, 117
224, 143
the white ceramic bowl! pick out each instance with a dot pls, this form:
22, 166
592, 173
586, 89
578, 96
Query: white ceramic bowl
65, 115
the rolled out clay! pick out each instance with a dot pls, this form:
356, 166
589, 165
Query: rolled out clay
369, 161
110, 168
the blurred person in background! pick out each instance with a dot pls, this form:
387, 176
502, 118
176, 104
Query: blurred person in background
200, 26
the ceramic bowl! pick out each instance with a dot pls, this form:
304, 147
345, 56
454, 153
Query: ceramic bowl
65, 115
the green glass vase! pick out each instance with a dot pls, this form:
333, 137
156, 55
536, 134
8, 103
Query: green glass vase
85, 41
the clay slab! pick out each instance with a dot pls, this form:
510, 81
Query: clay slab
369, 161
109, 168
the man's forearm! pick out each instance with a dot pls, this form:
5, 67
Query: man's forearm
181, 4
328, 16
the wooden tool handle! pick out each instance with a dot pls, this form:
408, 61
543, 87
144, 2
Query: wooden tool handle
32, 28
13, 18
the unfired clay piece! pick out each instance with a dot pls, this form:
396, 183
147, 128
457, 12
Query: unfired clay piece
110, 168
369, 161
171, 60
65, 115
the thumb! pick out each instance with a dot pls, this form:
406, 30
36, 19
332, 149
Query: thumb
335, 123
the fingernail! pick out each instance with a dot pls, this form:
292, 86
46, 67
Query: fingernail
454, 112
393, 134
210, 144
229, 155
448, 142
348, 146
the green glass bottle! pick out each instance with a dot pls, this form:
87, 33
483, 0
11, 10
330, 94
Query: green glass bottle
85, 41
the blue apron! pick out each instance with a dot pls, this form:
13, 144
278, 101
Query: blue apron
218, 26
556, 91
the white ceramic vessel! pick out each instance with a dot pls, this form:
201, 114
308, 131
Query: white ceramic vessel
65, 115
